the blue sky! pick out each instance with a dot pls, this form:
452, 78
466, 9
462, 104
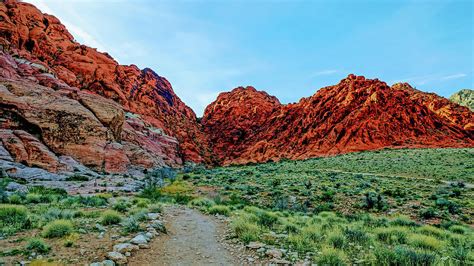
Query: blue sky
288, 48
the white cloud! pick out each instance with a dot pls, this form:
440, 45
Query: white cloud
323, 73
427, 79
454, 76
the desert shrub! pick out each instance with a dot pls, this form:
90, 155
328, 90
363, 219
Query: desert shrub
265, 218
290, 227
462, 256
37, 245
245, 229
219, 209
70, 239
331, 256
458, 229
425, 242
428, 213
403, 221
140, 214
121, 206
130, 225
392, 235
57, 228
15, 199
110, 217
156, 207
13, 218
403, 256
77, 177
155, 179
356, 235
300, 242
141, 203
201, 202
336, 239
373, 200
431, 231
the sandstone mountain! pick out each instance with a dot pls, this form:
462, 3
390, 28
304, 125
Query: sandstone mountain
78, 102
64, 106
246, 125
464, 97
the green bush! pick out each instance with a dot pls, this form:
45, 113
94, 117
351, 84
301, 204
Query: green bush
110, 217
403, 256
331, 256
121, 206
336, 239
392, 235
156, 207
425, 242
37, 245
202, 202
267, 219
130, 225
245, 229
13, 216
58, 228
219, 209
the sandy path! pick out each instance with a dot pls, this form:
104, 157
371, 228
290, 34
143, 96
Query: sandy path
192, 240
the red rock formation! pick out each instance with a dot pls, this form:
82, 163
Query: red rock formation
57, 60
246, 125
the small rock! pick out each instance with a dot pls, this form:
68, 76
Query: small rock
274, 253
101, 235
108, 263
153, 215
16, 187
255, 245
139, 239
128, 254
149, 235
158, 225
143, 246
125, 247
117, 257
100, 228
280, 261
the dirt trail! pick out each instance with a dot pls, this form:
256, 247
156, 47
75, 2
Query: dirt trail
192, 240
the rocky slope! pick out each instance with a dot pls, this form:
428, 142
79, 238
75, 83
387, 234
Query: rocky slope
246, 125
464, 97
71, 100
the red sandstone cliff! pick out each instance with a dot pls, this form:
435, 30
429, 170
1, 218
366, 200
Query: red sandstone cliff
246, 125
37, 49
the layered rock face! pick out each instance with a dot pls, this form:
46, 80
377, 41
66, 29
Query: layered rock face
73, 99
358, 114
464, 97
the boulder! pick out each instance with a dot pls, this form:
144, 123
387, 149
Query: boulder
117, 257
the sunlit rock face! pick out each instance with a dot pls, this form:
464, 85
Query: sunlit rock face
246, 125
41, 62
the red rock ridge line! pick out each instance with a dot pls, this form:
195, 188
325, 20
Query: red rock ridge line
246, 125
25, 32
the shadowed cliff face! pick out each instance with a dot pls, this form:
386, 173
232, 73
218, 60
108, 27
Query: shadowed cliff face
44, 45
61, 99
357, 114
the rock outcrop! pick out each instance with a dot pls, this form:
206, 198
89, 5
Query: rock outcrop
464, 97
37, 49
357, 114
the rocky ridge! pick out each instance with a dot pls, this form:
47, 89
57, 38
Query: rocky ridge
357, 114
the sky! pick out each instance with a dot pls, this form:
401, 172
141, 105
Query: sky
288, 48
